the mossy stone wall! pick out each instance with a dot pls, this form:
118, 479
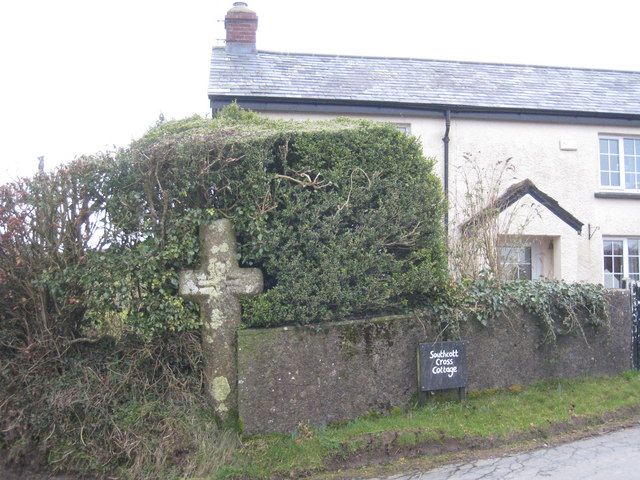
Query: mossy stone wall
332, 372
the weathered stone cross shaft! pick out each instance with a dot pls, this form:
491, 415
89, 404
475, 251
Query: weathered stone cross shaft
217, 286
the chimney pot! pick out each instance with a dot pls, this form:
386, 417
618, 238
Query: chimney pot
241, 24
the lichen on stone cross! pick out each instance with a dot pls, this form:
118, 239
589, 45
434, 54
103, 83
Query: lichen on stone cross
217, 287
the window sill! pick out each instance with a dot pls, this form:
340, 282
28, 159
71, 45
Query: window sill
618, 195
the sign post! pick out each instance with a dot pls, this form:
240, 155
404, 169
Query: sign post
442, 366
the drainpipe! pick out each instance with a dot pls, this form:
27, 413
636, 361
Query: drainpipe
445, 140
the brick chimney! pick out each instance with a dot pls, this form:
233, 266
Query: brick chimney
241, 25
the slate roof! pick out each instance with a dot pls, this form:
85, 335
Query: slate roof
408, 81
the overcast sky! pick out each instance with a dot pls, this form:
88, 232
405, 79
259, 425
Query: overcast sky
82, 76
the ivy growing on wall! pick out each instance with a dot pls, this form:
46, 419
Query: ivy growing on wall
561, 308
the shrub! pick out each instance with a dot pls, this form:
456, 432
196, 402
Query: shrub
129, 408
343, 217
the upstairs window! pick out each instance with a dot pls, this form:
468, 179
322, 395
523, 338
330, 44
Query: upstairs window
405, 128
631, 163
620, 163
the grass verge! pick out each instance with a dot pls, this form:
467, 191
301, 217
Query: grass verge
486, 420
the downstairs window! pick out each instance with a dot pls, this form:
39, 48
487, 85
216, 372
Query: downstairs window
515, 262
621, 260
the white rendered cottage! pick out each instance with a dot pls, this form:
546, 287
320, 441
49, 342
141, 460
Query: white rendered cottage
573, 135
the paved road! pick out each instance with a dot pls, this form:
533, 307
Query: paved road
613, 456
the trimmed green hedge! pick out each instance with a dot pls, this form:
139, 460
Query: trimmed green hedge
343, 217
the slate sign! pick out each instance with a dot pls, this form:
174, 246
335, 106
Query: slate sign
442, 365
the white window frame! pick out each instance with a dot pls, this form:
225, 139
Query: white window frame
405, 128
621, 163
507, 252
625, 256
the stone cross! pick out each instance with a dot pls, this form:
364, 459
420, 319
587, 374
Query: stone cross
217, 286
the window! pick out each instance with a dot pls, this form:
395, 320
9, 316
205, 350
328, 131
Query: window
620, 163
621, 260
406, 129
515, 262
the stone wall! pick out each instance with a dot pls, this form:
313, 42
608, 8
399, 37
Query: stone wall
322, 374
